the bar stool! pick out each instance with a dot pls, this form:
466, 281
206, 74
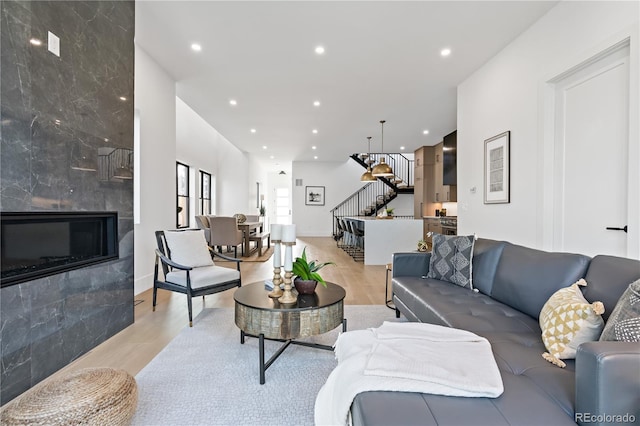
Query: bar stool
348, 236
358, 241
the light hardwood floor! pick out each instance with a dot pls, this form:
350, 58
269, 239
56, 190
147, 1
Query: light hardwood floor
135, 346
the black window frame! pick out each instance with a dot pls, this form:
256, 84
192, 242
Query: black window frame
203, 196
179, 196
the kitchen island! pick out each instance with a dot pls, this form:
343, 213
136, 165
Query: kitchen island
383, 237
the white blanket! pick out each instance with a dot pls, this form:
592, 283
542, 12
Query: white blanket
407, 357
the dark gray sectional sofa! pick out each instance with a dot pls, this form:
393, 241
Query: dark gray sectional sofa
513, 283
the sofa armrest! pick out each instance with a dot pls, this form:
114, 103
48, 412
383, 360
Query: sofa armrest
607, 383
413, 264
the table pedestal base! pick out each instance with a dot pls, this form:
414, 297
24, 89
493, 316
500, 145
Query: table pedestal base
264, 365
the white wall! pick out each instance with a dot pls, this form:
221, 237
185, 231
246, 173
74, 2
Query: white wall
171, 131
340, 179
402, 205
257, 174
201, 147
507, 94
155, 101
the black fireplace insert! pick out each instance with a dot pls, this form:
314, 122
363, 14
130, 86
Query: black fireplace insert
38, 244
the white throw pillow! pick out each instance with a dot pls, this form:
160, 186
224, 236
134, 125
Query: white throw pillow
567, 320
189, 248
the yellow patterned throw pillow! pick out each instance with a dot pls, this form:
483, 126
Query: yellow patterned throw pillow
568, 320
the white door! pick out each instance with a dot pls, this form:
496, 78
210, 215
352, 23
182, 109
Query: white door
591, 157
283, 206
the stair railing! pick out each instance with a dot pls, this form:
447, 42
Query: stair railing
401, 165
364, 202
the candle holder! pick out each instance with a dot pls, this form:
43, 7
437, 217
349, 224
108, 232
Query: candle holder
288, 297
277, 279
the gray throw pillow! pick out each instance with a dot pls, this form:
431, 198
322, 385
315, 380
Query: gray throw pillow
624, 322
451, 259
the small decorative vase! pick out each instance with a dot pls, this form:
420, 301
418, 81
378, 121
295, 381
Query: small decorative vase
422, 246
305, 286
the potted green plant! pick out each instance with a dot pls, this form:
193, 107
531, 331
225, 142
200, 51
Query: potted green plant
262, 210
306, 273
390, 211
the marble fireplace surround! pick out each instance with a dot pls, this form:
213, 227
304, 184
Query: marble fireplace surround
54, 112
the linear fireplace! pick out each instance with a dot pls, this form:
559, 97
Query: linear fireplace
38, 244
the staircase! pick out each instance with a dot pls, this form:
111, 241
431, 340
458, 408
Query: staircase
373, 196
402, 182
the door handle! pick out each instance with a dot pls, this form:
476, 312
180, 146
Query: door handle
611, 228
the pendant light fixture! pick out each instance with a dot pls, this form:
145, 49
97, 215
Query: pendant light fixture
367, 176
382, 169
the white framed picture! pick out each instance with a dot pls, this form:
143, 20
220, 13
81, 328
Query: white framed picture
496, 169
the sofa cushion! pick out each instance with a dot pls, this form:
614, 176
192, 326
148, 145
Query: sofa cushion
535, 392
451, 259
526, 278
439, 302
608, 278
522, 403
624, 322
568, 320
486, 254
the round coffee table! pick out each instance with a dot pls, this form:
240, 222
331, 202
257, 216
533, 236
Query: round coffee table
258, 315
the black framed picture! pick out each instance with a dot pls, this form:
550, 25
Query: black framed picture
314, 195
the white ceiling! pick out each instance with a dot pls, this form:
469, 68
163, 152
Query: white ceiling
382, 61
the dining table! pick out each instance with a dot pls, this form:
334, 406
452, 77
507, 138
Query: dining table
247, 229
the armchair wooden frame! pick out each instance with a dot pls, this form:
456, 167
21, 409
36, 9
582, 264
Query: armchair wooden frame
163, 257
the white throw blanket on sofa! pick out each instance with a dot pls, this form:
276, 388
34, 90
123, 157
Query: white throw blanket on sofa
407, 357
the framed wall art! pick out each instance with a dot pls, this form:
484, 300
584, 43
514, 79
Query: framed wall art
497, 169
314, 195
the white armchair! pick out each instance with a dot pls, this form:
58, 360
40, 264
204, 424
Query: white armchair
188, 267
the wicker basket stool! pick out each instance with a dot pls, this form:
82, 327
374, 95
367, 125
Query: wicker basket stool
93, 396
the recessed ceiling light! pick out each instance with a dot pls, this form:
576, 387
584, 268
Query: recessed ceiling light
313, 147
314, 131
272, 157
35, 42
106, 139
315, 157
196, 47
316, 103
253, 130
233, 102
264, 147
402, 148
319, 50
445, 52
425, 132
122, 98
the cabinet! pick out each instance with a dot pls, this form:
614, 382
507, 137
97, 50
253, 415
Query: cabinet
442, 193
423, 188
450, 157
431, 225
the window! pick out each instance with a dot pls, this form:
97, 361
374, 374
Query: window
182, 190
205, 193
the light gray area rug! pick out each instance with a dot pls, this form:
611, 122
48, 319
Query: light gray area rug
206, 377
